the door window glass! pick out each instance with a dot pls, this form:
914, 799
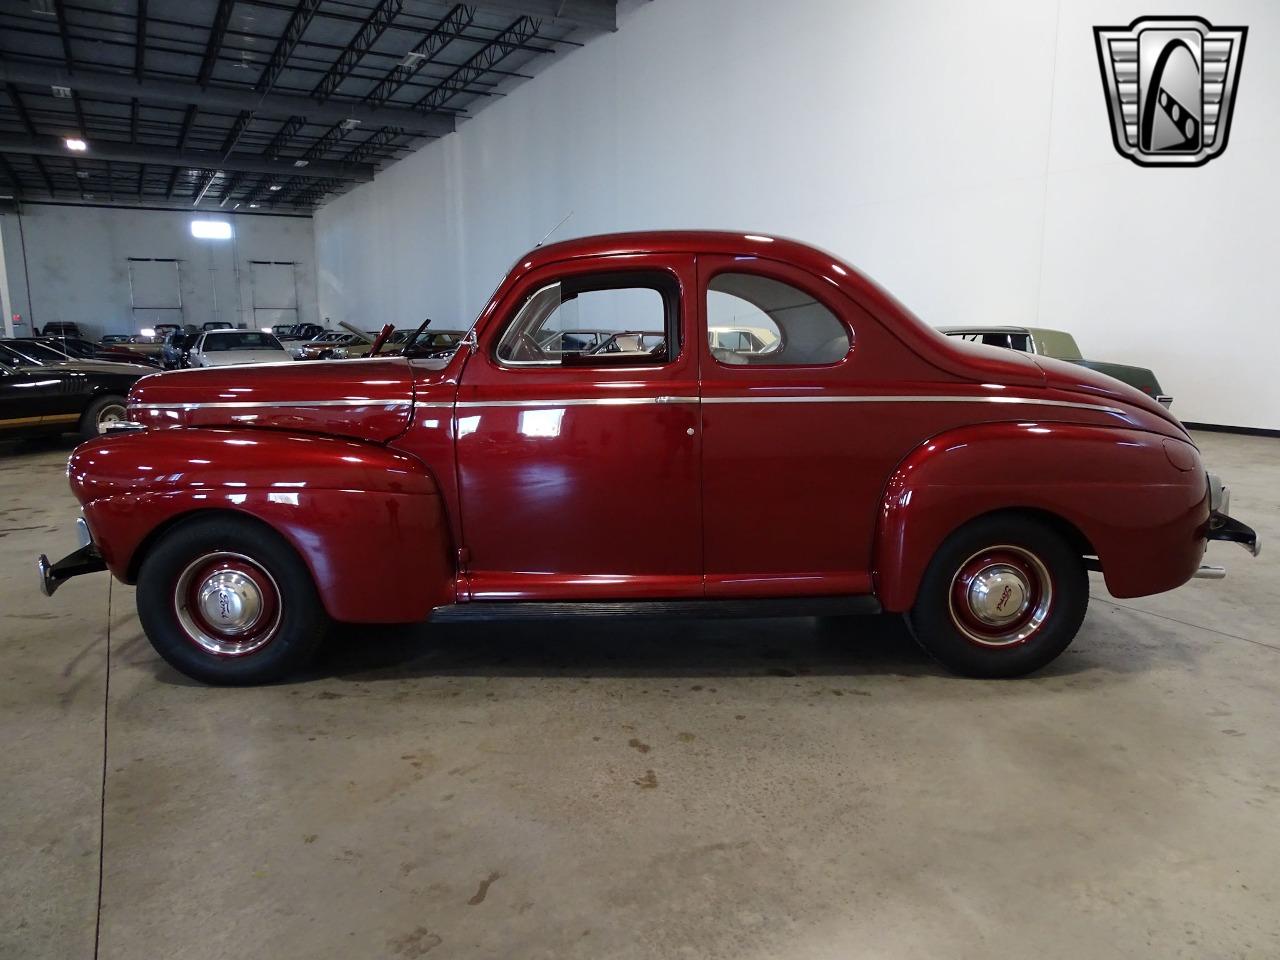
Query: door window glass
592, 321
755, 320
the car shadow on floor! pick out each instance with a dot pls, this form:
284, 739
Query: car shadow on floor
633, 647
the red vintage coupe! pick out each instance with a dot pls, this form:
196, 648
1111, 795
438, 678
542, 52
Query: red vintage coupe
823, 452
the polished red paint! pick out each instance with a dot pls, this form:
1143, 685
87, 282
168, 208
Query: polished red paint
369, 401
398, 507
368, 521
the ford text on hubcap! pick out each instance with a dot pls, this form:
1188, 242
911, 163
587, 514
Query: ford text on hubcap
1001, 596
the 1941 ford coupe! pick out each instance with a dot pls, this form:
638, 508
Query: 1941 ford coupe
844, 458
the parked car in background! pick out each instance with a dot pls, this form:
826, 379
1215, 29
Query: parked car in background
225, 348
322, 347
63, 396
304, 331
175, 351
1061, 346
867, 464
81, 349
59, 329
217, 325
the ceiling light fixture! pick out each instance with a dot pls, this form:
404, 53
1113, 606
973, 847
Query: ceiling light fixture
274, 187
76, 144
301, 163
350, 123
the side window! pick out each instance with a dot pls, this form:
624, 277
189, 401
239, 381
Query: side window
754, 320
594, 320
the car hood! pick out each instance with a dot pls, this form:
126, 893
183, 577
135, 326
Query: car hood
229, 358
362, 399
97, 366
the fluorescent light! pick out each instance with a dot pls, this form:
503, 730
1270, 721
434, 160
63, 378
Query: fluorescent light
350, 123
76, 144
274, 187
211, 229
253, 206
301, 163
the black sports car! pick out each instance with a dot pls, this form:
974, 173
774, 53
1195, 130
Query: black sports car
60, 397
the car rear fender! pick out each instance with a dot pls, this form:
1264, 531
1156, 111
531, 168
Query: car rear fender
368, 521
1137, 500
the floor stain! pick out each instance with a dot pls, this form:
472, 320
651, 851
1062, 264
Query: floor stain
686, 737
483, 890
648, 782
417, 943
637, 745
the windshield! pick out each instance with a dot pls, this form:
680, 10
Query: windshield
37, 352
241, 341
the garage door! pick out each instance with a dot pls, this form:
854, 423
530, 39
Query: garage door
155, 290
275, 292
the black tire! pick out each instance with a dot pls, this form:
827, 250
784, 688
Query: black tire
1000, 566
279, 641
102, 410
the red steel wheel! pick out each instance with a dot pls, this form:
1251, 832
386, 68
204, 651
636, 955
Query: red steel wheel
227, 604
1001, 596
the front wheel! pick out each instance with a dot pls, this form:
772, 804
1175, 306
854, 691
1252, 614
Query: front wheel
227, 601
1002, 597
100, 414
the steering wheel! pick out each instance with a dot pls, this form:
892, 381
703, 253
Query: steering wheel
529, 348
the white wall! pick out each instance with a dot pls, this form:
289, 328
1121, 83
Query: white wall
76, 261
959, 153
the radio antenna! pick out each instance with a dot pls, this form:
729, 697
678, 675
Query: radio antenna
554, 229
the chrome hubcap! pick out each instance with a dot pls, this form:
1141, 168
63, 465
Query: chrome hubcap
109, 415
227, 604
230, 601
1001, 596
998, 594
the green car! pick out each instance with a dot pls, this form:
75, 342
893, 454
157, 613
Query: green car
1060, 346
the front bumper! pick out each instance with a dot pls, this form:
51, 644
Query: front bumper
1222, 526
77, 563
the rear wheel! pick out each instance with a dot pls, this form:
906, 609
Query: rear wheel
1002, 597
227, 601
100, 414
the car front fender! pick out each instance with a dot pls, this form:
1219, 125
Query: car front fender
368, 521
1137, 500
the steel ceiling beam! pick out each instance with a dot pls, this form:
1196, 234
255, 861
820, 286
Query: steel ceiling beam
293, 32
493, 52
140, 41
600, 14
427, 49
373, 28
204, 159
230, 99
217, 31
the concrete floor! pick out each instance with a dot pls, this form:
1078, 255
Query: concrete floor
740, 790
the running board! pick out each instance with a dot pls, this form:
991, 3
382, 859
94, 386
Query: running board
501, 611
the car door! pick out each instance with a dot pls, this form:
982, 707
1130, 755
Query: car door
788, 494
579, 471
30, 400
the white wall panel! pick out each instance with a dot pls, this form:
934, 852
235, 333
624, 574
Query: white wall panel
77, 260
959, 153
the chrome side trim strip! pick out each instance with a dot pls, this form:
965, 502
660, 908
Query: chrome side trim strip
257, 404
575, 402
920, 399
632, 401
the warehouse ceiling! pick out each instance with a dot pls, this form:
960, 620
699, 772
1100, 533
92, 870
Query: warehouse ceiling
251, 104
